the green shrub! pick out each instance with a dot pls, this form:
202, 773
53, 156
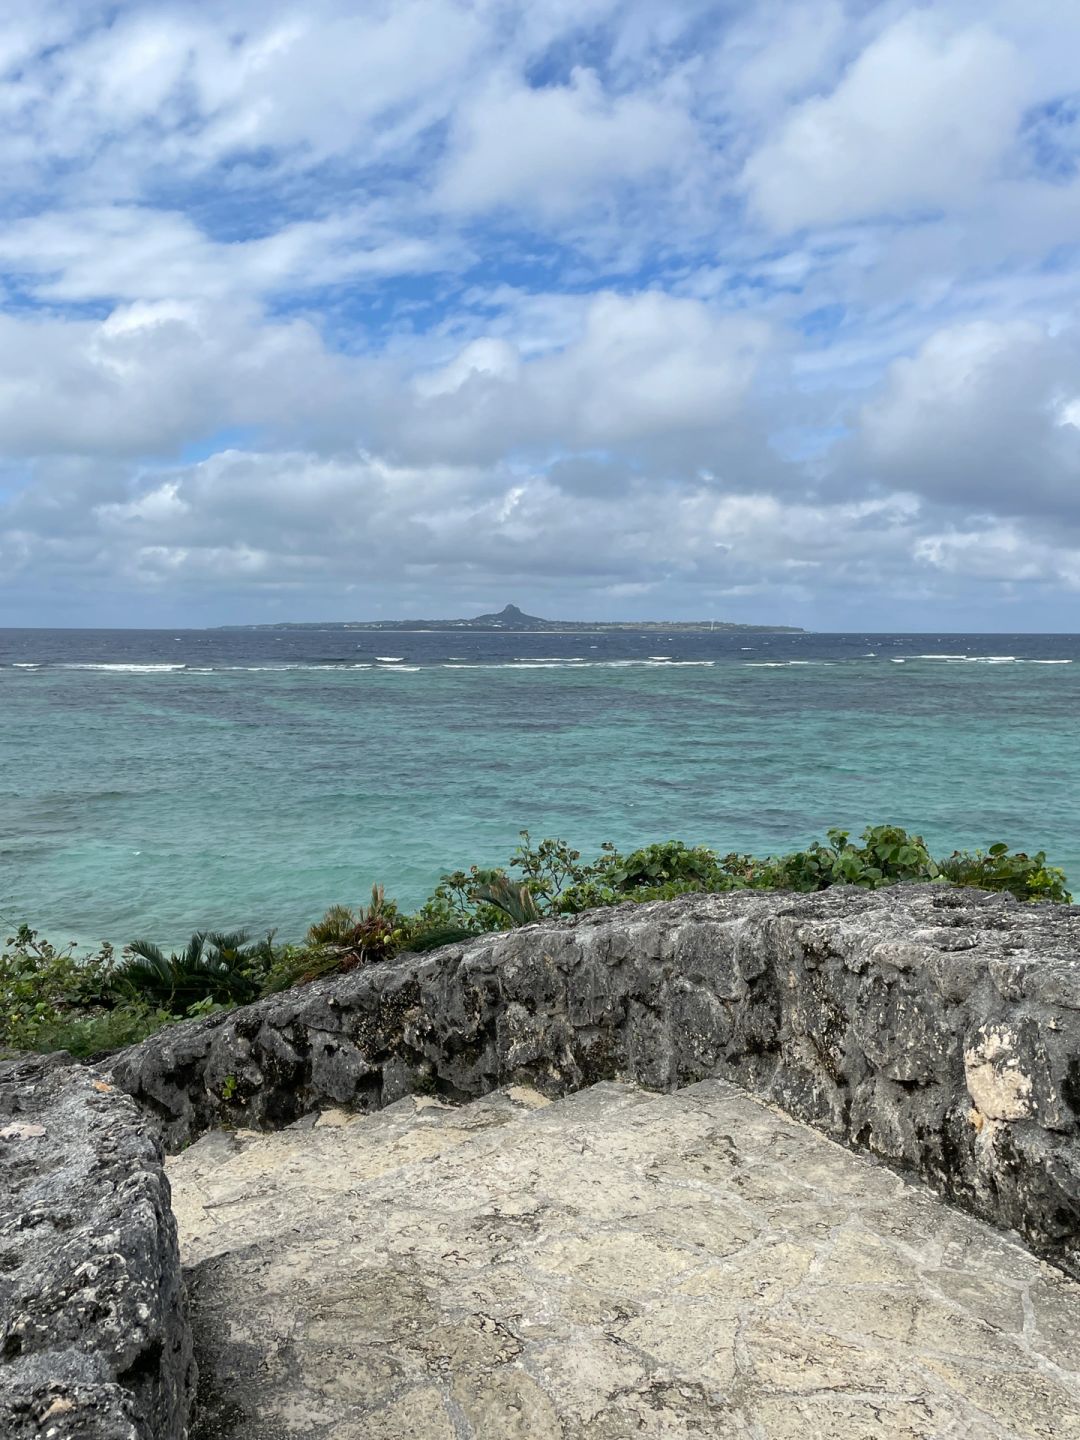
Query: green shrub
518, 903
557, 881
655, 872
553, 879
56, 999
1028, 877
361, 936
887, 856
225, 969
292, 964
671, 862
342, 940
40, 984
552, 867
475, 903
97, 1033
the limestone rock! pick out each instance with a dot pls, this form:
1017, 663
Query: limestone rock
94, 1337
615, 1264
938, 1028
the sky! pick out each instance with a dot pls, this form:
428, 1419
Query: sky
759, 310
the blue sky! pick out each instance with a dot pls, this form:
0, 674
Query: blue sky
761, 311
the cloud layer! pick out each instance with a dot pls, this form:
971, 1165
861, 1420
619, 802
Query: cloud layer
759, 310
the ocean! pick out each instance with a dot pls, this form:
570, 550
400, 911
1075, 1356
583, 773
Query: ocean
155, 782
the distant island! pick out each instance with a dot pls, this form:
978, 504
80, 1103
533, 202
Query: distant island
514, 621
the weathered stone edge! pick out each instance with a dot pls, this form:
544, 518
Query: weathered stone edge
938, 1028
94, 1335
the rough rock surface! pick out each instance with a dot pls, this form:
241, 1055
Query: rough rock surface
938, 1028
615, 1264
94, 1336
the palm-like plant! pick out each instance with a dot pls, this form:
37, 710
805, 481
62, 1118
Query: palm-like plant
224, 968
342, 940
517, 902
361, 936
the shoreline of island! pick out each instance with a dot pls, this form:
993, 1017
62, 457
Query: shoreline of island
512, 621
652, 627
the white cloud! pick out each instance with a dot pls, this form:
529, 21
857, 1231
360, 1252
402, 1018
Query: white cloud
459, 520
186, 88
1001, 553
920, 120
551, 148
480, 290
650, 362
641, 369
776, 51
975, 418
153, 376
138, 253
487, 359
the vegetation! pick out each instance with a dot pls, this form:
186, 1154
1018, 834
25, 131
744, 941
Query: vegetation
342, 940
54, 999
224, 969
40, 984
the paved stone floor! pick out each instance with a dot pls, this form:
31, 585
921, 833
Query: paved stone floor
615, 1264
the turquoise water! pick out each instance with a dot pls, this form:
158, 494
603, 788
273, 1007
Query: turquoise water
254, 785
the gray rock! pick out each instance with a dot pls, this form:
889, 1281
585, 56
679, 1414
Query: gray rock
94, 1337
938, 1028
613, 1263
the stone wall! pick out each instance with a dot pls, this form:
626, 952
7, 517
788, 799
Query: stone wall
938, 1028
94, 1339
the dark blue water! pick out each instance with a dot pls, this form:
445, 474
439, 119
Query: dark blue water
337, 646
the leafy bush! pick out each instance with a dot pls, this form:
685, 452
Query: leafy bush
40, 984
293, 965
225, 969
655, 872
477, 900
557, 881
342, 940
359, 936
671, 862
887, 856
552, 867
55, 999
98, 1032
1028, 877
457, 904
518, 903
453, 904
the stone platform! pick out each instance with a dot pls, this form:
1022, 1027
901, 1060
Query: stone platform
939, 1029
612, 1264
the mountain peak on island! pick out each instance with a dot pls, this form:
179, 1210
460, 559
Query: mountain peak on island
508, 615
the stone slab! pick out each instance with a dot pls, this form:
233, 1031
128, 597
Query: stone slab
615, 1264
